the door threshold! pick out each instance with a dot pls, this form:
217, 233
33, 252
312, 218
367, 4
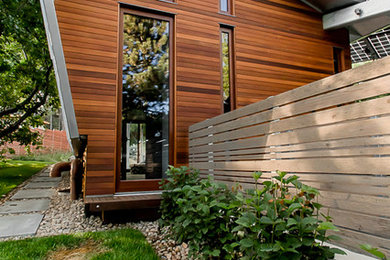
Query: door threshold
138, 193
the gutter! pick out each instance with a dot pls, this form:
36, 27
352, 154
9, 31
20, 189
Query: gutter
76, 142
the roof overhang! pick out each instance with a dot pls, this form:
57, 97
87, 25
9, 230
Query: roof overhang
360, 17
58, 58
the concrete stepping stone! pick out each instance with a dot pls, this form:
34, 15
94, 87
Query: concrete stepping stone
46, 179
33, 194
39, 185
45, 173
24, 206
21, 225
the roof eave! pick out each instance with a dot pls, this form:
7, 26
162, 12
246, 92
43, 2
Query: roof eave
58, 58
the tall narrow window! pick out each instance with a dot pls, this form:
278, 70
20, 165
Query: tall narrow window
227, 88
338, 61
145, 96
225, 6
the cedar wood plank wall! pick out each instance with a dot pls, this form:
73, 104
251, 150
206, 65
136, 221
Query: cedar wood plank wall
330, 133
279, 45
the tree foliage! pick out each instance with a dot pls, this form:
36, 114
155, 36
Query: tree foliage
27, 82
146, 67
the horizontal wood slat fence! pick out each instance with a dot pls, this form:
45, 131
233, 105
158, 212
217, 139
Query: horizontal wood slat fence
333, 133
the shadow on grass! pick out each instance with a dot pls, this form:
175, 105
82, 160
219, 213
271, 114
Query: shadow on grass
114, 244
13, 173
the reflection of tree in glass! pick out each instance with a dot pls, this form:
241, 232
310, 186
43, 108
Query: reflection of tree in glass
226, 70
146, 68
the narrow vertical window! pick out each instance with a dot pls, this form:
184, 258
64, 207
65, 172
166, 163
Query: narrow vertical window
225, 6
145, 96
338, 62
227, 67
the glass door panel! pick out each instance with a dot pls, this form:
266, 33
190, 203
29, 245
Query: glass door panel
145, 97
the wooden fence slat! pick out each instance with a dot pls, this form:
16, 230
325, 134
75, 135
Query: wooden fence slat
369, 205
360, 236
351, 143
364, 151
353, 242
348, 129
370, 180
363, 165
365, 90
357, 221
349, 77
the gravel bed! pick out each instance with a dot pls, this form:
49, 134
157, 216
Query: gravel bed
67, 217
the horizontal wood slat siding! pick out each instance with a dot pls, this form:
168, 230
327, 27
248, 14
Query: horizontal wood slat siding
334, 134
279, 45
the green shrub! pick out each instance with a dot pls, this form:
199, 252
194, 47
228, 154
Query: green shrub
278, 224
269, 222
176, 178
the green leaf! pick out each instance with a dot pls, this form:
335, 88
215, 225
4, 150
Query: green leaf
317, 205
235, 244
292, 178
186, 222
281, 174
266, 220
257, 175
374, 251
309, 221
246, 242
266, 247
327, 226
334, 238
216, 252
280, 227
246, 220
294, 207
307, 241
337, 251
291, 222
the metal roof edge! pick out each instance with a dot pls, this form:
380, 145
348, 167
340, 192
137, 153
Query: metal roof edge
61, 73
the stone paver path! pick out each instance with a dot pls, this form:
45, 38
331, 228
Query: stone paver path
22, 214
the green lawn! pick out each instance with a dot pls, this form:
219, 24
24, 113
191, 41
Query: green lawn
114, 244
13, 173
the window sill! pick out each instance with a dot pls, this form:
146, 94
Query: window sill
168, 2
222, 13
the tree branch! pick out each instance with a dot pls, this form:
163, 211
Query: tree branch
20, 105
31, 110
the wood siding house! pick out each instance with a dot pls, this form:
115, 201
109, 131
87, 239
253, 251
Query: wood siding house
142, 71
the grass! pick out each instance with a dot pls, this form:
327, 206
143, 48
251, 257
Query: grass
113, 244
44, 157
13, 173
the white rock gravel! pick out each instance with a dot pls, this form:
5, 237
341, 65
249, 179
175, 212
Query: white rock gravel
66, 217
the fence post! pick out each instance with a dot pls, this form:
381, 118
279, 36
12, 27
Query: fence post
211, 154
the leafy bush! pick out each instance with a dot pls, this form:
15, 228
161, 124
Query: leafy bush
269, 222
176, 178
278, 224
198, 212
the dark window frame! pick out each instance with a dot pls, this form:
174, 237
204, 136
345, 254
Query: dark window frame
232, 79
230, 5
338, 59
144, 185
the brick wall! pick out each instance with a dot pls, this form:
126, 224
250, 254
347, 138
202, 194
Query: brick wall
53, 141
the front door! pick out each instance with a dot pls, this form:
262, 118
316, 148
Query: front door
144, 104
